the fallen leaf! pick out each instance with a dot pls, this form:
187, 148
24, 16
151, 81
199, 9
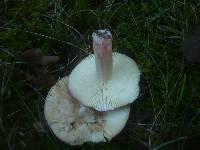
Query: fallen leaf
36, 56
49, 59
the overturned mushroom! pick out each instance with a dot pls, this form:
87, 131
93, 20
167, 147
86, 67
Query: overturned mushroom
74, 123
105, 80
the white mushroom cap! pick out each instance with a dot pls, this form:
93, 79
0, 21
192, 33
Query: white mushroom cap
120, 90
75, 124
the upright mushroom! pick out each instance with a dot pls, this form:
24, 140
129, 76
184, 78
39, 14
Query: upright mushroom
105, 80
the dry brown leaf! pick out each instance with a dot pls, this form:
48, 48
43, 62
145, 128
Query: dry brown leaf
36, 56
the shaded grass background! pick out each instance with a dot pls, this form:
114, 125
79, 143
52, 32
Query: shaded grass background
165, 117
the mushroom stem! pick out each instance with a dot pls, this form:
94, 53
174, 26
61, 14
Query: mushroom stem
102, 47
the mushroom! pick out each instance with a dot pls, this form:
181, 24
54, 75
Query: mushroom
76, 124
105, 80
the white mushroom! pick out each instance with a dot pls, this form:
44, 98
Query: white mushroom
75, 124
105, 80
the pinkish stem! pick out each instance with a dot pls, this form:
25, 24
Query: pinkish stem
102, 47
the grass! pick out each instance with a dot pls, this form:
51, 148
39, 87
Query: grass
166, 116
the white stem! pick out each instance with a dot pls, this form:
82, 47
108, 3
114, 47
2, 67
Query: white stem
102, 47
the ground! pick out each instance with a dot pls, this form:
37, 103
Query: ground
42, 40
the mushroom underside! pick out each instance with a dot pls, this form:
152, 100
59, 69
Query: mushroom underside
120, 90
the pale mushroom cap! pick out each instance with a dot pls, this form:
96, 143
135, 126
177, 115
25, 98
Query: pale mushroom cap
75, 124
120, 90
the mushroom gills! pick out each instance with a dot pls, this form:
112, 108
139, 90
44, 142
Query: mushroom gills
122, 89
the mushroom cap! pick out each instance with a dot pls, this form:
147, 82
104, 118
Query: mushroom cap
76, 124
120, 90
